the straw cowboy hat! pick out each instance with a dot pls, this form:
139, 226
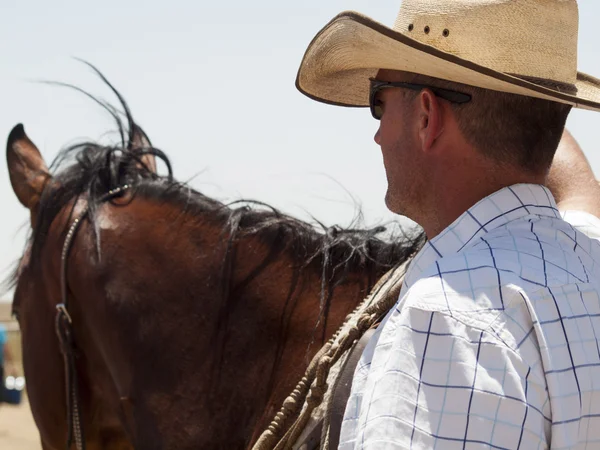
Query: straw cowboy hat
526, 47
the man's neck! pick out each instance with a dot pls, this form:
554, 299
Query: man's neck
457, 189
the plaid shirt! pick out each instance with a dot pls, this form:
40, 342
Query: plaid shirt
494, 342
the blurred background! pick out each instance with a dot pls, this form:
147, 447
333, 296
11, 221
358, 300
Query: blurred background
212, 83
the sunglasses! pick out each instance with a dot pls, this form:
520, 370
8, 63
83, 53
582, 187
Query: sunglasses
377, 85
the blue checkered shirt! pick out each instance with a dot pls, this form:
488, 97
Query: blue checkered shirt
494, 342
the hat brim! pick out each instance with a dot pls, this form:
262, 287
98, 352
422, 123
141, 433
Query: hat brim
352, 48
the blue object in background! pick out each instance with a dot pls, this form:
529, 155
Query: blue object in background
3, 340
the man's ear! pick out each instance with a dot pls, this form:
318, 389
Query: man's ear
431, 119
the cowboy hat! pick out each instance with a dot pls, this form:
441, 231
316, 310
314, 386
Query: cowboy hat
526, 47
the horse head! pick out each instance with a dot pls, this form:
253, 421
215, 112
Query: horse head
36, 296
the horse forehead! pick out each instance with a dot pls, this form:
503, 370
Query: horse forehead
106, 219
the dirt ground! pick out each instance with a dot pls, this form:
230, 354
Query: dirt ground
17, 429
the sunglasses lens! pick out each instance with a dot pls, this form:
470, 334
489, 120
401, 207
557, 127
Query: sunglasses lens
375, 103
377, 111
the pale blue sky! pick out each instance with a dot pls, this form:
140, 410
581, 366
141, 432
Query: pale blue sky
212, 83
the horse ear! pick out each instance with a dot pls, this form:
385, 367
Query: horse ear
27, 169
140, 141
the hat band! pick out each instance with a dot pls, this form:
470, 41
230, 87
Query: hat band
559, 86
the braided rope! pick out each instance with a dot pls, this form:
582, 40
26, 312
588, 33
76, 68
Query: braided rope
311, 389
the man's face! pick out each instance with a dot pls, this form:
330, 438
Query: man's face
398, 138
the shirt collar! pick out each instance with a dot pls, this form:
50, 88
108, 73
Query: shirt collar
508, 204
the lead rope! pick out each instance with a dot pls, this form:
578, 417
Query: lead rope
313, 385
64, 330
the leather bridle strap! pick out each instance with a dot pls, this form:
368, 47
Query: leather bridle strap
64, 332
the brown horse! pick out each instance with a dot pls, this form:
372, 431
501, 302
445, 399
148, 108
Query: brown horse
192, 319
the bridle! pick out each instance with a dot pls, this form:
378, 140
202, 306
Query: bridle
64, 331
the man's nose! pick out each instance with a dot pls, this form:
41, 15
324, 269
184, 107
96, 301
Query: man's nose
377, 136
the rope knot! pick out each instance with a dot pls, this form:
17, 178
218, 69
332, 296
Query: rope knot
353, 334
289, 404
316, 395
365, 321
323, 368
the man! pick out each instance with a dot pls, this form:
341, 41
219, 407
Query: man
494, 342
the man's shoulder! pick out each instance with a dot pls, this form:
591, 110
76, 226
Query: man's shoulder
475, 296
480, 280
533, 253
485, 269
510, 262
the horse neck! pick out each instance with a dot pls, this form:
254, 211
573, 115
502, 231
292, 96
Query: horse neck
166, 331
316, 290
